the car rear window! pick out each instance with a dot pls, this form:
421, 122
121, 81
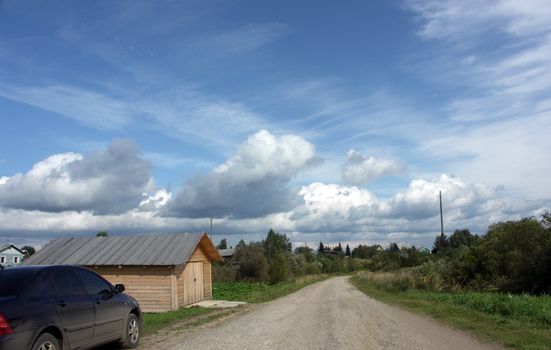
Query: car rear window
12, 280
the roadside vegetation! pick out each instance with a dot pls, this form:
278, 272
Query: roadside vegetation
520, 321
262, 292
497, 285
262, 271
154, 321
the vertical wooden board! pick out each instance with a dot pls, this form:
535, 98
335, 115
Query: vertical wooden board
207, 280
199, 287
174, 290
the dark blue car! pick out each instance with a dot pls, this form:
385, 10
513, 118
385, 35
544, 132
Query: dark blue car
64, 308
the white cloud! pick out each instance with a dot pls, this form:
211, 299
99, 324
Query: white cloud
103, 182
242, 40
462, 200
252, 183
499, 121
155, 201
515, 154
359, 170
442, 19
85, 106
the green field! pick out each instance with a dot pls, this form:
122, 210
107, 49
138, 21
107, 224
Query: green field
261, 292
519, 321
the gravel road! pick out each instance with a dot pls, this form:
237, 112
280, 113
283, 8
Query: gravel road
331, 314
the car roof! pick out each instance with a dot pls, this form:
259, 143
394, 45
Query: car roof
41, 267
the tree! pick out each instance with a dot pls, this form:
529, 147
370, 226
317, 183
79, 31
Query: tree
347, 253
276, 243
303, 250
338, 249
240, 244
223, 244
461, 238
364, 251
441, 244
321, 248
546, 220
102, 234
29, 249
252, 261
278, 248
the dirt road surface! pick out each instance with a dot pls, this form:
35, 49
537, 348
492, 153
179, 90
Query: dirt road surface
331, 314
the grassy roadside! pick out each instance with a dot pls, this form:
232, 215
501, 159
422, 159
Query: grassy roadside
521, 322
152, 322
262, 292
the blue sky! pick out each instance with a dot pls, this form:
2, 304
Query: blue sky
324, 121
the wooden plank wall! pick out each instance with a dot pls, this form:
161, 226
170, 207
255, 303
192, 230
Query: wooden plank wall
150, 285
198, 255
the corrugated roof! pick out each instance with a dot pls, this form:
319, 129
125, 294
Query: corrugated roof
8, 246
165, 249
226, 252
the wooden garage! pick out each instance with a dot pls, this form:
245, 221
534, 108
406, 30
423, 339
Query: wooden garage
163, 272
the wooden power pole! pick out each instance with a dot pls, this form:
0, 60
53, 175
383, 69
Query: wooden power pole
441, 218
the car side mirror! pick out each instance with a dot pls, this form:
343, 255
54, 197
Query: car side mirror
119, 288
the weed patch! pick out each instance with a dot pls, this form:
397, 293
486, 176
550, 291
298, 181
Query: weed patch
519, 321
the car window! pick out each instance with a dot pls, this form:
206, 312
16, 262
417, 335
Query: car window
40, 287
67, 283
94, 284
12, 280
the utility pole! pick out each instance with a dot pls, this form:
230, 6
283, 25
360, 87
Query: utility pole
441, 220
211, 226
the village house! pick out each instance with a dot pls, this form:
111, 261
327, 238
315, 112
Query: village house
10, 255
163, 272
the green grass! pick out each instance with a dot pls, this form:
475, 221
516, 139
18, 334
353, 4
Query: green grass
154, 321
261, 292
518, 321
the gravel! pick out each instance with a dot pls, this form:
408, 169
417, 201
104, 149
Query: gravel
331, 314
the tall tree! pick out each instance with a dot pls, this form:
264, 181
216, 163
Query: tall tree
223, 244
441, 244
278, 248
461, 238
347, 252
102, 234
321, 248
276, 243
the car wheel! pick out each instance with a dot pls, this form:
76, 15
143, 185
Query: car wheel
132, 333
46, 342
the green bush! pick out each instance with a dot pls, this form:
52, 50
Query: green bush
253, 265
223, 272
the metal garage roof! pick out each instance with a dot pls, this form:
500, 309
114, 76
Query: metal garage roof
164, 249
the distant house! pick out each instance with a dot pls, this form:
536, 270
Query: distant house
226, 254
10, 255
424, 250
163, 272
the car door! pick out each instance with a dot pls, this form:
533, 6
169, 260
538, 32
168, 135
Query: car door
74, 307
109, 308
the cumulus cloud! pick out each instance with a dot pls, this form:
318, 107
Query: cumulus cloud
349, 211
359, 170
460, 199
252, 183
109, 181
